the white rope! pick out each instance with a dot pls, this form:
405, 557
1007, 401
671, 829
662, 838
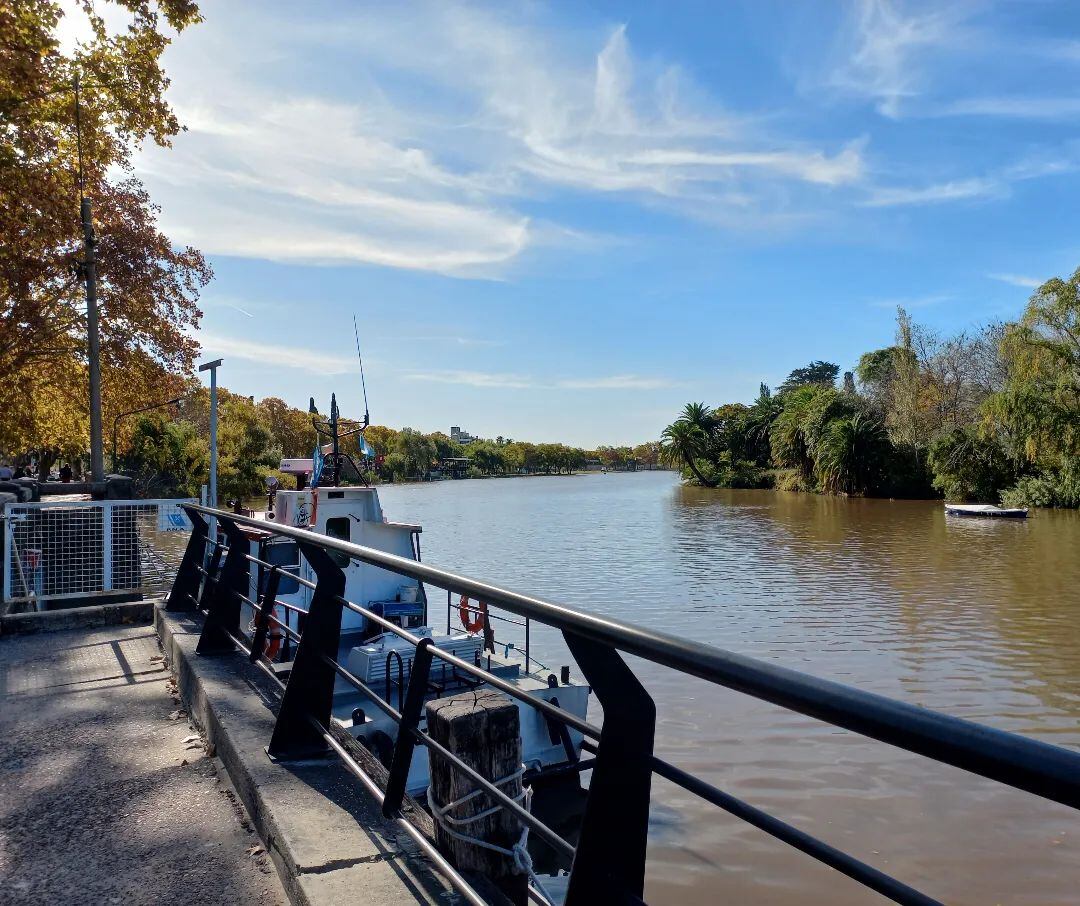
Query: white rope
519, 852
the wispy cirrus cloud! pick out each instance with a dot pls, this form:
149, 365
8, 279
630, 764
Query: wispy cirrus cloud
445, 122
877, 55
1014, 107
511, 381
953, 190
277, 355
1018, 280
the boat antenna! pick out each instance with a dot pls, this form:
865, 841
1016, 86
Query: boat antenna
363, 385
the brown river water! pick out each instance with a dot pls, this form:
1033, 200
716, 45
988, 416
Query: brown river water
979, 619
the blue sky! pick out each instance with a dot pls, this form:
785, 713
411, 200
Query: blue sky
561, 222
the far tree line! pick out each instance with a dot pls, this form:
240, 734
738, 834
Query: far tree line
988, 415
168, 452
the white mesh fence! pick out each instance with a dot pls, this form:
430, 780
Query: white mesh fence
70, 549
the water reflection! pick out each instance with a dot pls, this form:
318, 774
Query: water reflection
978, 619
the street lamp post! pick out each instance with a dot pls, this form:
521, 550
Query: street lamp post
212, 367
116, 421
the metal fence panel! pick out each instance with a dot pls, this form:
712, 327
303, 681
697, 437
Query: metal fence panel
69, 549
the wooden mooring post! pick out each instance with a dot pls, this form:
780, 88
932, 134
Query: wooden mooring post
483, 729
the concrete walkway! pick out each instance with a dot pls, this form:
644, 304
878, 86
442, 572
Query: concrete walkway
107, 794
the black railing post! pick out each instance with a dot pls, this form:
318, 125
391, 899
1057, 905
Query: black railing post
262, 621
213, 573
310, 691
185, 591
610, 859
410, 720
223, 613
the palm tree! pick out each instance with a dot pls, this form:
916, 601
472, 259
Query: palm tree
700, 416
850, 453
683, 442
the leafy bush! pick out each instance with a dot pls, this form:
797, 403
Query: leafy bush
1049, 489
968, 466
789, 480
167, 458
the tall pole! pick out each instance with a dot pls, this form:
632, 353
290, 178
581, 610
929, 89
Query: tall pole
97, 461
89, 271
212, 367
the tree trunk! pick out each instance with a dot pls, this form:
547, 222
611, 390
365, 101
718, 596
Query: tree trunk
699, 476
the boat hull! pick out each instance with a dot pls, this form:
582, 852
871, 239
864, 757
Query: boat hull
984, 512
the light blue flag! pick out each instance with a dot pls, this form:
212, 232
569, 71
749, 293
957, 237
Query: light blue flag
365, 448
316, 465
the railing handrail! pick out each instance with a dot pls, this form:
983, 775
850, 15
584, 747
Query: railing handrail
1043, 769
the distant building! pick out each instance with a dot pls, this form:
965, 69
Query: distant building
460, 437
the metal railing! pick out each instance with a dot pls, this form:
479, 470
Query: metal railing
608, 862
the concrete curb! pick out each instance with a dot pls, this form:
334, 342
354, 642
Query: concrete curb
77, 617
326, 835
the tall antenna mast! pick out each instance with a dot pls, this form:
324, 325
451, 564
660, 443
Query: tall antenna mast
363, 385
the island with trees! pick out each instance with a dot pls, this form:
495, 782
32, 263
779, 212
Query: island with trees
987, 415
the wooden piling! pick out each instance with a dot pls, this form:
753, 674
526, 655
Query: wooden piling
483, 729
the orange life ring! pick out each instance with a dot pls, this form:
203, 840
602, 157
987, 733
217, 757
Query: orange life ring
274, 637
472, 625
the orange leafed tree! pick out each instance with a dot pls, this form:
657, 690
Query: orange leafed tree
147, 288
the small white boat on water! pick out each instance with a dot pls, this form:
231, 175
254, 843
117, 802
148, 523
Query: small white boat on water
985, 511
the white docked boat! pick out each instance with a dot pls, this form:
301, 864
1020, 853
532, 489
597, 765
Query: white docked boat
985, 511
383, 660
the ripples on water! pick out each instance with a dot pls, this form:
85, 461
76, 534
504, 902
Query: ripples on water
975, 618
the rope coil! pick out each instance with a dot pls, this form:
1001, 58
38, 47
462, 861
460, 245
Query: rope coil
519, 852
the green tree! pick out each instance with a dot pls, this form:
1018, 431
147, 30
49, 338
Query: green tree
850, 455
246, 450
968, 466
418, 450
818, 372
167, 457
682, 444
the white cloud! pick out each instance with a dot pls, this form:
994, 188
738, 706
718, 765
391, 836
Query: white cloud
955, 190
275, 355
1015, 107
525, 382
441, 121
1018, 280
880, 48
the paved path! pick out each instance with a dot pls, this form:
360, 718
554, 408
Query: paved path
106, 792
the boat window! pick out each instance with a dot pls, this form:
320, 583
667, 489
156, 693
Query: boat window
285, 553
338, 527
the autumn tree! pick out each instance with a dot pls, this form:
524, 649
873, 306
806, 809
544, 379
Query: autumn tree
292, 428
147, 288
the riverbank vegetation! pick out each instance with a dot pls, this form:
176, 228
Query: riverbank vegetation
168, 452
986, 415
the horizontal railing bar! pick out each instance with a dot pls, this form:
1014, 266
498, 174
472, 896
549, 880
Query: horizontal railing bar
259, 662
495, 793
1037, 767
280, 567
295, 636
460, 884
865, 874
355, 681
489, 615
